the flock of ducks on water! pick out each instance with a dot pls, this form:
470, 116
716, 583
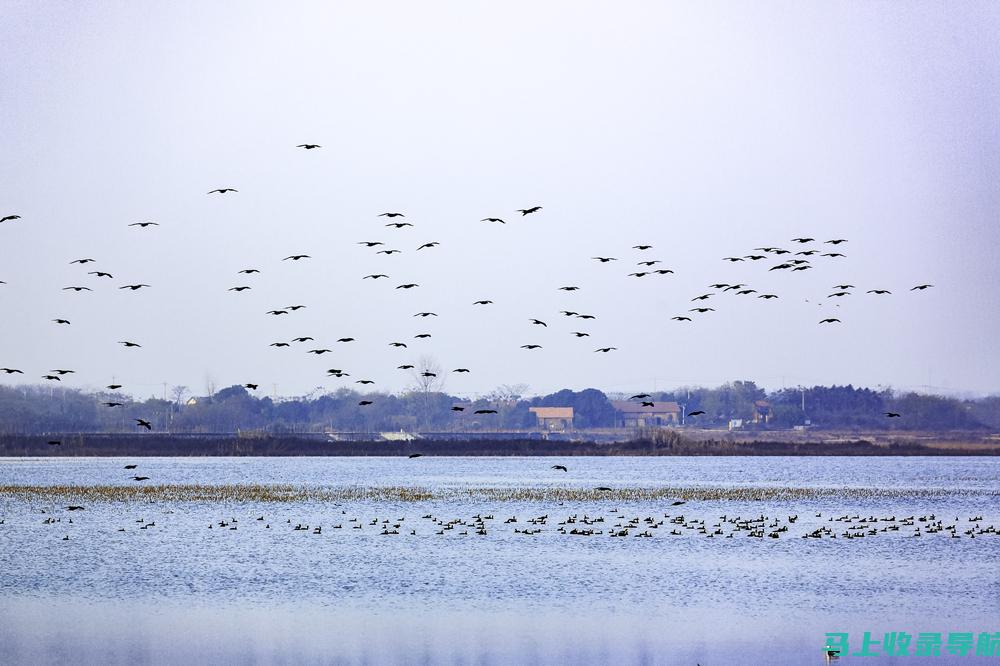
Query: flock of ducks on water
800, 260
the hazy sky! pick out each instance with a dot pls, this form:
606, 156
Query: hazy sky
703, 129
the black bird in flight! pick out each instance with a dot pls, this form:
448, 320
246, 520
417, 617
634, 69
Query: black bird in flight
662, 271
833, 254
6, 218
410, 285
801, 268
304, 338
605, 350
428, 374
779, 267
78, 288
296, 257
807, 253
585, 316
878, 291
432, 244
392, 215
642, 247
604, 489
421, 336
55, 442
133, 287
145, 224
244, 288
364, 381
803, 240
63, 372
569, 288
404, 367
830, 320
568, 313
364, 403
639, 396
697, 412
277, 312
140, 478
702, 310
113, 387
677, 503
604, 260
130, 466
375, 276
52, 377
646, 403
399, 225
681, 318
526, 211
921, 287
482, 302
892, 415
82, 261
648, 263
248, 271
294, 307
397, 344
492, 219
843, 286
11, 371
538, 322
101, 274
560, 467
485, 411
112, 404
279, 344
388, 252
414, 455
703, 297
223, 190
345, 339
308, 146
460, 370
319, 351
61, 321
767, 296
531, 346
142, 423
640, 274
836, 241
425, 314
456, 408
755, 257
370, 243
128, 344
732, 258
580, 334
839, 293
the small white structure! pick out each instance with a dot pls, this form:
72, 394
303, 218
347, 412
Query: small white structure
735, 424
401, 436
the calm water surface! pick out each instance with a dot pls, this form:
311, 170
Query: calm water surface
181, 592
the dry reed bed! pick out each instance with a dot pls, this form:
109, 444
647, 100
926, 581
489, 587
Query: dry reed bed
294, 493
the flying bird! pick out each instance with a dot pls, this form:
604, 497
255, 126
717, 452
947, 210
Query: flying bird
308, 146
456, 408
101, 274
681, 318
146, 224
492, 219
279, 344
223, 190
702, 310
375, 276
878, 291
391, 215
345, 339
560, 467
703, 297
648, 263
803, 240
7, 218
410, 285
538, 322
61, 321
63, 372
580, 334
319, 351
364, 381
425, 314
140, 478
921, 287
78, 288
485, 411
296, 257
640, 274
52, 377
646, 403
421, 336
569, 288
531, 346
829, 320
404, 367
128, 344
388, 252
604, 260
892, 415
11, 371
414, 455
142, 423
836, 241
248, 271
585, 316
133, 287
639, 396
526, 211
767, 296
252, 387
460, 370
397, 344
304, 338
433, 244
82, 261
370, 243
113, 387
697, 412
399, 225
482, 302
277, 312
130, 466
238, 288
605, 350
642, 247
112, 404
365, 403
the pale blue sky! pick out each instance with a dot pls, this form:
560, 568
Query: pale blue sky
704, 129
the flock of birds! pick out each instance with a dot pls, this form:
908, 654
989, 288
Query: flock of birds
796, 261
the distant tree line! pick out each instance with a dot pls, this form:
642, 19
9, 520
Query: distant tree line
36, 410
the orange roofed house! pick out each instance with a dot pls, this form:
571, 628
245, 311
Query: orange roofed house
553, 418
632, 414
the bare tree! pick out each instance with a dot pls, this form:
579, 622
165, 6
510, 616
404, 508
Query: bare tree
178, 393
427, 375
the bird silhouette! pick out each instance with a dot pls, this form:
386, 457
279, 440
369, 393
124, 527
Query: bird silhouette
101, 274
410, 285
63, 372
892, 415
422, 336
252, 387
527, 211
279, 344
133, 287
460, 370
397, 344
128, 344
319, 351
767, 296
8, 218
640, 274
492, 219
345, 339
77, 289
61, 321
414, 455
531, 346
130, 466
836, 241
604, 260
365, 403
482, 302
697, 412
399, 225
585, 316
112, 404
646, 403
580, 334
297, 257
642, 247
878, 291
404, 367
702, 310
678, 318
561, 468
238, 288
277, 312
434, 244
143, 225
52, 378
569, 288
391, 215
113, 387
82, 261
485, 411
364, 381
921, 287
538, 322
651, 262
605, 350
803, 240
388, 252
639, 396
370, 243
456, 408
703, 297
829, 320
222, 190
375, 276
248, 271
425, 314
140, 478
11, 371
308, 146
142, 423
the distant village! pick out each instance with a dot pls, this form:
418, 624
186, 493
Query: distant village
346, 414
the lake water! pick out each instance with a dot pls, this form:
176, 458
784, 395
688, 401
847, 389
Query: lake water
142, 578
